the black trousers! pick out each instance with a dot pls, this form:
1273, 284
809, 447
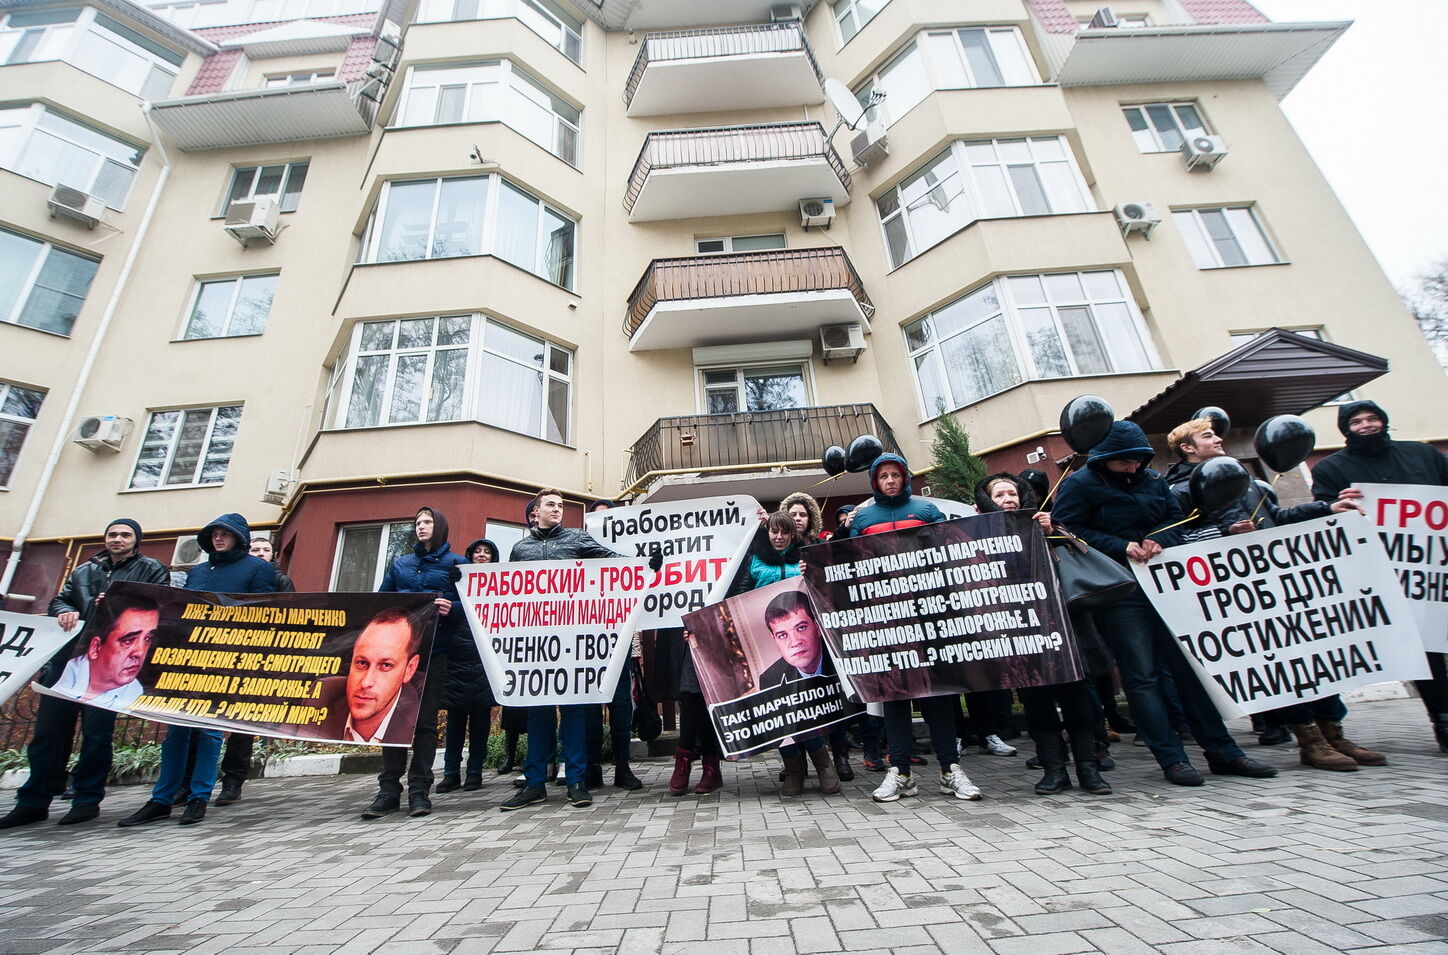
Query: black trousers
1434, 691
696, 733
939, 713
1077, 709
49, 750
424, 739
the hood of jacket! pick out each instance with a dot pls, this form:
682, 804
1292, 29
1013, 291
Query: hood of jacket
1368, 445
1181, 472
889, 458
439, 533
816, 520
492, 548
237, 525
1125, 441
1345, 413
985, 505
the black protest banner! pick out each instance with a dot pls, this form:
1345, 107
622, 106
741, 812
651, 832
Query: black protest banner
954, 607
1286, 614
762, 664
346, 668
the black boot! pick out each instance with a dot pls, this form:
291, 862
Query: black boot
1440, 730
1051, 751
843, 769
623, 777
450, 781
473, 783
1088, 767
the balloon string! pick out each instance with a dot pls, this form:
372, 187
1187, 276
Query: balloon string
1188, 519
825, 481
1263, 499
1052, 491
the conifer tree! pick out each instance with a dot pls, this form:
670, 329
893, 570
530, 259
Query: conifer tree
954, 470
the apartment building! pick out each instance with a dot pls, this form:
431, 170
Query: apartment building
324, 261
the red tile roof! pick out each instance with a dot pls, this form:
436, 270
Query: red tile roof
1057, 19
217, 68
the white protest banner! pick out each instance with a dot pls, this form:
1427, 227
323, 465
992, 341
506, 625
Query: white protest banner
951, 509
1292, 613
554, 632
1412, 521
26, 642
703, 542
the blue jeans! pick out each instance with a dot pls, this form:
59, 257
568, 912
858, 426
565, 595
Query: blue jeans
54, 725
1145, 653
173, 763
545, 725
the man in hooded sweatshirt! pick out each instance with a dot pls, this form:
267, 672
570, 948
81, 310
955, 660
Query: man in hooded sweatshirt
1126, 510
431, 568
228, 569
1372, 457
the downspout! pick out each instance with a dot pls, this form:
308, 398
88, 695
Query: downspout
62, 434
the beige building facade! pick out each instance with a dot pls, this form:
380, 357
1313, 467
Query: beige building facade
321, 263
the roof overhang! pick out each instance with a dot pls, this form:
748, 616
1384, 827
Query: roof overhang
671, 14
296, 38
701, 190
252, 117
731, 319
1275, 373
1279, 54
138, 14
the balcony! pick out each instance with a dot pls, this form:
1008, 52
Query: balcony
281, 114
719, 451
744, 296
733, 170
748, 67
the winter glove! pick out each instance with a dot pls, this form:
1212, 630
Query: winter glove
454, 573
656, 558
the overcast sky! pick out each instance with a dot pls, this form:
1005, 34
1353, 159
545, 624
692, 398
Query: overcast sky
1372, 111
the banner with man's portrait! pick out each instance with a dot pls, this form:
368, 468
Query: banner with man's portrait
341, 668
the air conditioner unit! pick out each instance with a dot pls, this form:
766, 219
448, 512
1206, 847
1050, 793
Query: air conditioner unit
188, 553
1104, 19
780, 12
101, 432
1137, 217
842, 341
253, 220
278, 483
871, 144
814, 212
1203, 151
75, 204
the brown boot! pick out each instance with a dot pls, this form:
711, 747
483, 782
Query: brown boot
824, 764
1317, 752
794, 777
1332, 732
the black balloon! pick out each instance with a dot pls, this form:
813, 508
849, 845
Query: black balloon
863, 452
1085, 421
1221, 424
834, 459
1218, 482
1284, 442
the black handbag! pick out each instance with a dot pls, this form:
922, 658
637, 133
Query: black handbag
646, 723
1089, 579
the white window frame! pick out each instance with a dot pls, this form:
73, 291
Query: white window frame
381, 560
967, 189
849, 10
923, 45
15, 420
68, 48
394, 354
170, 457
368, 248
1025, 361
514, 533
236, 281
298, 78
1154, 135
702, 386
536, 16
27, 285
26, 118
1204, 249
510, 81
266, 11
289, 171
727, 243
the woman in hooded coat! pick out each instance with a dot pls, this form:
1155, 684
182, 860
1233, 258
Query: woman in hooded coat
467, 699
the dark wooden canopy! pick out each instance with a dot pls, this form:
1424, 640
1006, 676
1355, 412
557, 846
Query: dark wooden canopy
1278, 372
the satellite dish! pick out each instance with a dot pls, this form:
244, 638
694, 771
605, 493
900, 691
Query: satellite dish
846, 105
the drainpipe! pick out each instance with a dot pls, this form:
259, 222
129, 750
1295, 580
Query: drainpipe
62, 434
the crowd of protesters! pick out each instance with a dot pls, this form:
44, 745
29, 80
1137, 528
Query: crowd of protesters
1116, 503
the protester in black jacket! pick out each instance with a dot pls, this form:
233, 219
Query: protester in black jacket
1126, 510
55, 719
467, 698
1371, 457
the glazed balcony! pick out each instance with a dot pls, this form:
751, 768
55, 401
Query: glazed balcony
744, 296
746, 67
733, 170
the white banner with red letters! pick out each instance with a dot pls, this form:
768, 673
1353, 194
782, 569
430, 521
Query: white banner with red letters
1412, 521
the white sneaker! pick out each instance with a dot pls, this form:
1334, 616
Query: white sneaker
997, 747
562, 774
895, 786
956, 783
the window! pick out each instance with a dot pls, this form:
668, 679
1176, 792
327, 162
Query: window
729, 390
42, 286
91, 41
491, 91
47, 146
852, 15
282, 182
365, 551
225, 308
1163, 127
959, 58
299, 79
740, 243
192, 14
186, 448
438, 218
550, 20
505, 535
988, 179
1021, 327
19, 407
1218, 238
454, 368
1136, 21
